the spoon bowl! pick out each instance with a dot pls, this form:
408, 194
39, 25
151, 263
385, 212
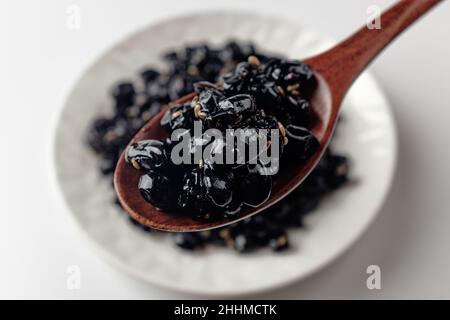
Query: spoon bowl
126, 178
335, 71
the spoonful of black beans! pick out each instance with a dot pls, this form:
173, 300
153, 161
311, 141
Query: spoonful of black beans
232, 149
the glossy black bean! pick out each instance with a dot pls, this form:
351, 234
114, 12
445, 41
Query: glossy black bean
302, 143
254, 187
124, 95
146, 154
158, 189
178, 117
219, 188
233, 110
188, 241
149, 75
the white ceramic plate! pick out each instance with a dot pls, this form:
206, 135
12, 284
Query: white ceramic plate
367, 135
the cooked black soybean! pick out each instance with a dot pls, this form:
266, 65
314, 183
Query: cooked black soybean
157, 188
233, 110
254, 187
178, 117
146, 154
279, 87
124, 95
219, 188
149, 75
303, 143
192, 198
188, 241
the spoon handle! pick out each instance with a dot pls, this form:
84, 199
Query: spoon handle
342, 64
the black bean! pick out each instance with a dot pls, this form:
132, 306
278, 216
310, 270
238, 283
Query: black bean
157, 188
146, 154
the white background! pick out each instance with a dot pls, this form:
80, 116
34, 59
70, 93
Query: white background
39, 61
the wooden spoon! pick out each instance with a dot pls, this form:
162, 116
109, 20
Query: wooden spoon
336, 70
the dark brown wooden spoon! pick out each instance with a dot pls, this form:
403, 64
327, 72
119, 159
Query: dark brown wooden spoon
336, 70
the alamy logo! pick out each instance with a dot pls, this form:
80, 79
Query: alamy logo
73, 281
73, 21
374, 17
237, 147
374, 279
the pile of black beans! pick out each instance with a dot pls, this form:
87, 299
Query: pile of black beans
276, 91
257, 97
